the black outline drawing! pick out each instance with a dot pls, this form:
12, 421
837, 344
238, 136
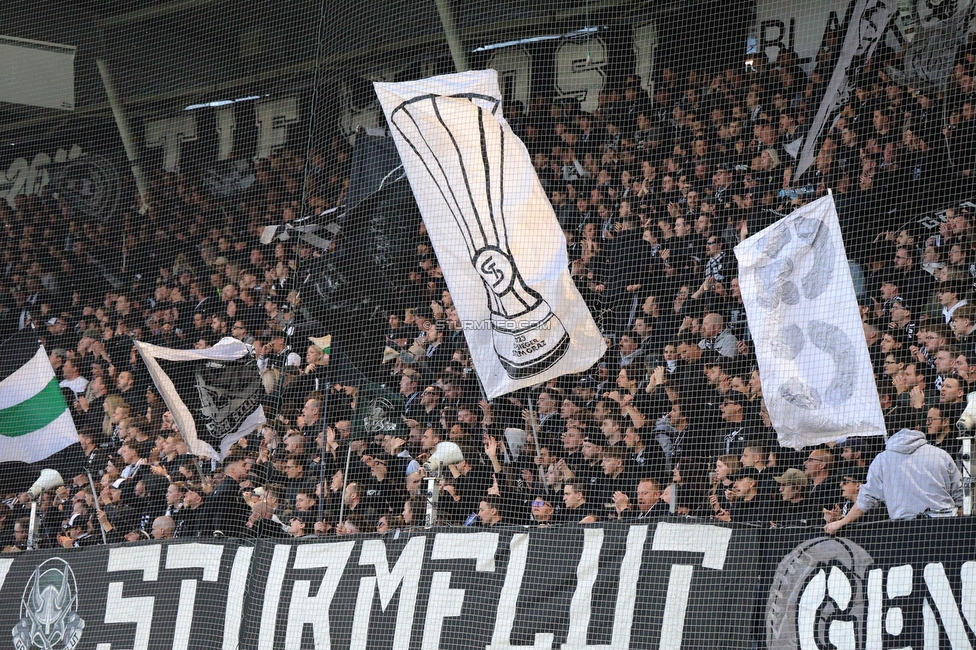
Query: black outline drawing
229, 392
528, 338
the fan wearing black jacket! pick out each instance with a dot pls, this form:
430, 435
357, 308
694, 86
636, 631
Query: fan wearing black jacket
577, 510
648, 505
225, 509
748, 505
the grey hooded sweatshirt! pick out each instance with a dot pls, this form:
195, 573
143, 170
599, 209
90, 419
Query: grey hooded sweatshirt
912, 478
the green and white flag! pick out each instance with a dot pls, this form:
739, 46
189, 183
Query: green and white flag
34, 418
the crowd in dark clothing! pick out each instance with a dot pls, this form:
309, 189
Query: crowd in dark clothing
652, 192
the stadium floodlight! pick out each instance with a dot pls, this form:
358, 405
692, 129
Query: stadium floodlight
527, 337
223, 102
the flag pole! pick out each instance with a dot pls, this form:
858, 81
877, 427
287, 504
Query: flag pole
535, 439
965, 455
98, 509
32, 527
345, 479
325, 437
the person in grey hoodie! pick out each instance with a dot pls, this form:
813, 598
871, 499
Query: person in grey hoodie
912, 478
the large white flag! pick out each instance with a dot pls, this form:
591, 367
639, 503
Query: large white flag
493, 229
817, 379
868, 22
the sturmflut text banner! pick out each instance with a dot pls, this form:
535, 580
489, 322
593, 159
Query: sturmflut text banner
670, 584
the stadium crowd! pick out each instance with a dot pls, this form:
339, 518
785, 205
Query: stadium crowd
652, 193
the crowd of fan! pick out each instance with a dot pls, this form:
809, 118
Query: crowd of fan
652, 193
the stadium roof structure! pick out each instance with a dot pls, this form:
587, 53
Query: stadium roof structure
164, 56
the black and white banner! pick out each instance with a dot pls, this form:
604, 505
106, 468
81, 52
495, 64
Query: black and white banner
213, 394
898, 584
493, 229
661, 586
149, 595
868, 22
665, 585
672, 584
942, 28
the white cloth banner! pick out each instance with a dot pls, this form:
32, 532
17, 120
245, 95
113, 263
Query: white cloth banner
493, 229
817, 379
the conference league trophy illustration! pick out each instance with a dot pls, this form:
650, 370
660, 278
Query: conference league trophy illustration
528, 338
497, 240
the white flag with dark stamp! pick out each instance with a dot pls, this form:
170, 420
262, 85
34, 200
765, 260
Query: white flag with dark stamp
494, 231
817, 379
214, 394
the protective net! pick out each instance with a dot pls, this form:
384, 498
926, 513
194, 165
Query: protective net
417, 325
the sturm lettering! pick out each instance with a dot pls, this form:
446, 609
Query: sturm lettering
838, 595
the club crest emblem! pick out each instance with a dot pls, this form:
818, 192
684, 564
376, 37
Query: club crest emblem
229, 392
48, 609
378, 417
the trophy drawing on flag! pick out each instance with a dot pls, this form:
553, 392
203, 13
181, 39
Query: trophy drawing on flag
468, 174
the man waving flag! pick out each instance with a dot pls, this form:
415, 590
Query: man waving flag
34, 418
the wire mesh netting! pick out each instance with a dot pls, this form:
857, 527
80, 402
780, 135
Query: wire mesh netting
509, 325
